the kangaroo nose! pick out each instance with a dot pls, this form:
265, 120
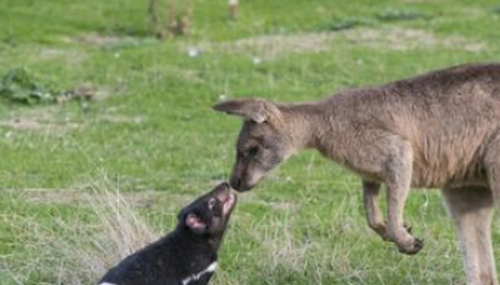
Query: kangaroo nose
235, 183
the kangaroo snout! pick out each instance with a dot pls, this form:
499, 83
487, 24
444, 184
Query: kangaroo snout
239, 185
235, 183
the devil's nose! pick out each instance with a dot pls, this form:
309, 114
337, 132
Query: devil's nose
225, 185
222, 188
235, 183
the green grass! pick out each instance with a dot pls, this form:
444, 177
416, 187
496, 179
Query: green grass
151, 132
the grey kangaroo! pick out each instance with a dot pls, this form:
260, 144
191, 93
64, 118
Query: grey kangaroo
437, 130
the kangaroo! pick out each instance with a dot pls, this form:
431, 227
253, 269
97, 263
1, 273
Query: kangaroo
437, 130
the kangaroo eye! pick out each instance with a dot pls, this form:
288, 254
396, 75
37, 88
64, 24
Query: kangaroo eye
211, 203
253, 151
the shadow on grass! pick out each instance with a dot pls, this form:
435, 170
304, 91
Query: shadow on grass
496, 10
386, 16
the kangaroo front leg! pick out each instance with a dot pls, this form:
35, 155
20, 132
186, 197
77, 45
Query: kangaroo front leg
398, 171
374, 216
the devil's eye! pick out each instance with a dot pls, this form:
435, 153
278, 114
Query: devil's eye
211, 203
253, 151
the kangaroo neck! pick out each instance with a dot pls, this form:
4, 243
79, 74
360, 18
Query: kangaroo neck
307, 121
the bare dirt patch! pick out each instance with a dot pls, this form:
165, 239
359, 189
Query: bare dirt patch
53, 119
149, 199
65, 55
121, 119
106, 41
19, 124
143, 199
275, 45
88, 92
409, 39
99, 40
272, 46
420, 1
26, 124
393, 38
41, 119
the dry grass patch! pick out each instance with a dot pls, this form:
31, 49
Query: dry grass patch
286, 251
77, 252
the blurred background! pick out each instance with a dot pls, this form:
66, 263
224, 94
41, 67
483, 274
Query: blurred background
106, 131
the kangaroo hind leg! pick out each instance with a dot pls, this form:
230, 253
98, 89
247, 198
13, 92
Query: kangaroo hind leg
471, 209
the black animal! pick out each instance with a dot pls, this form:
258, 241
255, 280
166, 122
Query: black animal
186, 256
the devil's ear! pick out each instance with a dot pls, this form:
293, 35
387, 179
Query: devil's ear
195, 223
257, 110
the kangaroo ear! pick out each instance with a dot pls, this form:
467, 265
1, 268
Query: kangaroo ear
257, 110
195, 224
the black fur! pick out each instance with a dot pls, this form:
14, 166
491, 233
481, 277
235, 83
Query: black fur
187, 251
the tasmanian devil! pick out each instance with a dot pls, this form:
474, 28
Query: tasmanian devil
186, 256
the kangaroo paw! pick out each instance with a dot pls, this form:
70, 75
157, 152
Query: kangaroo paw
412, 248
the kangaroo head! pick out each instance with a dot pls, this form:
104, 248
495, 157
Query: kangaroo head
263, 142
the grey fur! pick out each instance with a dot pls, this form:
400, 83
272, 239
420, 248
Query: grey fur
438, 130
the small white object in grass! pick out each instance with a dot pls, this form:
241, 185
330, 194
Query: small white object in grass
117, 55
233, 2
223, 97
359, 61
193, 52
257, 60
8, 135
211, 268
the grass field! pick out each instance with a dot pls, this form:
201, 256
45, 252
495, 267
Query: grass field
84, 183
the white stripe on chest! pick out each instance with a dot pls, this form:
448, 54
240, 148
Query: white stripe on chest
211, 268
